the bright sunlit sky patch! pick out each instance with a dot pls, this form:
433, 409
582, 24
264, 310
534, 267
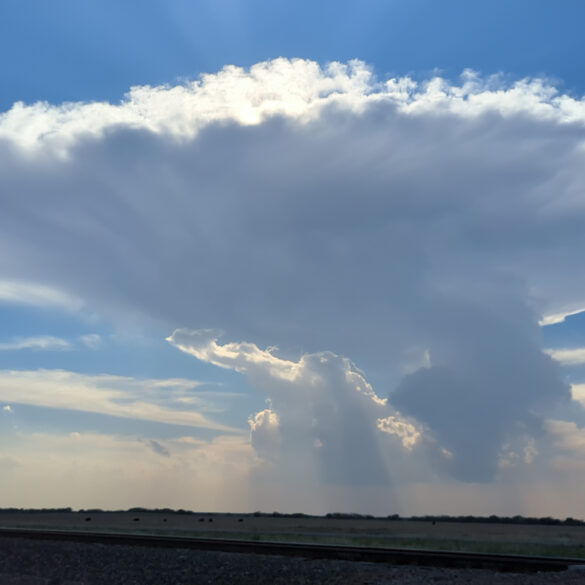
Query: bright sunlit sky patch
69, 51
294, 256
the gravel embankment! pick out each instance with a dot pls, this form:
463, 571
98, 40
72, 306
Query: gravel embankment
26, 562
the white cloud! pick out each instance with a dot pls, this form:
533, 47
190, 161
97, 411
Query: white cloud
322, 209
325, 416
429, 156
7, 408
325, 420
407, 432
265, 434
42, 342
568, 357
557, 318
295, 88
120, 396
241, 357
23, 293
567, 435
91, 340
578, 393
51, 343
521, 452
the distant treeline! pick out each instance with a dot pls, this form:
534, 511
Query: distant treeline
547, 520
100, 511
493, 519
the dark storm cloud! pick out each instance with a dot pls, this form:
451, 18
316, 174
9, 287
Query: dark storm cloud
322, 210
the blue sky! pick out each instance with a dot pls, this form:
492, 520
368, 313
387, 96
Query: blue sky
67, 51
246, 243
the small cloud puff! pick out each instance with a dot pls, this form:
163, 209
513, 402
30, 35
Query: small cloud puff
408, 433
91, 340
568, 356
158, 448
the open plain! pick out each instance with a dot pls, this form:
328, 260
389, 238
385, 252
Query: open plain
536, 539
28, 562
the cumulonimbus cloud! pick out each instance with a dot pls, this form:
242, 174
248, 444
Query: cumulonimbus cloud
322, 209
323, 414
323, 418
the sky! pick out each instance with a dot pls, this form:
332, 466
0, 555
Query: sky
293, 257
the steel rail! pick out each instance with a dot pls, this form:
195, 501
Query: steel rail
395, 556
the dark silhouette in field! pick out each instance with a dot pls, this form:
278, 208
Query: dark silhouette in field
493, 519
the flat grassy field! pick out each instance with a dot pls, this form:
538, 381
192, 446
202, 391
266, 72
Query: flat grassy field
532, 539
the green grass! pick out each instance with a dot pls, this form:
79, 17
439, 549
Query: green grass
576, 551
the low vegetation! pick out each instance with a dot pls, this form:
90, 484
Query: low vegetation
493, 534
493, 519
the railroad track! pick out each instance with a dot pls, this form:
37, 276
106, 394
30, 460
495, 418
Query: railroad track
396, 556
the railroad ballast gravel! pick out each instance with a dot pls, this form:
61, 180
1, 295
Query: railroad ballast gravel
29, 562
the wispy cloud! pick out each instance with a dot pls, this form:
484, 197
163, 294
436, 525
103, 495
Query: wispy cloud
91, 340
43, 342
52, 343
120, 396
39, 295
